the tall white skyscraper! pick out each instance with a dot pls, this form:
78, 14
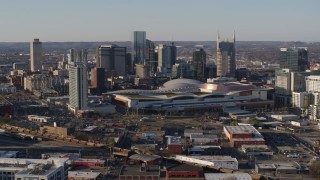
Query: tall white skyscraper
78, 82
139, 48
35, 55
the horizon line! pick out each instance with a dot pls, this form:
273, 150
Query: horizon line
156, 41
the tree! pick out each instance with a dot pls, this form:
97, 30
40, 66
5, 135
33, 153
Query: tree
315, 169
110, 142
234, 123
254, 121
81, 136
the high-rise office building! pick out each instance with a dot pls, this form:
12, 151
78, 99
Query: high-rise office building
182, 70
226, 57
199, 64
167, 56
139, 48
283, 88
294, 58
151, 59
71, 55
112, 58
78, 82
98, 81
313, 88
36, 55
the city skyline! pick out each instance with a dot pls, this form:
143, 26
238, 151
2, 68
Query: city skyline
60, 21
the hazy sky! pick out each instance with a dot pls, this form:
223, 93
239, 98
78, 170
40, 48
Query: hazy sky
113, 20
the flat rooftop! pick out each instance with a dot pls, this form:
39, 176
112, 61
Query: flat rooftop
248, 139
213, 136
81, 174
91, 160
236, 111
285, 165
193, 131
38, 169
36, 116
235, 176
135, 170
265, 166
8, 154
32, 166
211, 158
183, 167
241, 129
144, 157
255, 147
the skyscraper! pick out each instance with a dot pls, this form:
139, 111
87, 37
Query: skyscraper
98, 81
226, 57
78, 82
112, 58
151, 59
167, 56
138, 48
294, 58
199, 64
35, 55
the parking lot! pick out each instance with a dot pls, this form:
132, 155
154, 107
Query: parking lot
288, 148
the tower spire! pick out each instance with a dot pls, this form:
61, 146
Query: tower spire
218, 39
234, 36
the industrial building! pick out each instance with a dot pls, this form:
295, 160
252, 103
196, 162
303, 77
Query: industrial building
206, 139
89, 162
243, 135
226, 162
174, 144
79, 175
40, 119
129, 172
185, 171
219, 176
46, 169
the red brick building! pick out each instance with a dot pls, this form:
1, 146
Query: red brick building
89, 163
175, 148
184, 171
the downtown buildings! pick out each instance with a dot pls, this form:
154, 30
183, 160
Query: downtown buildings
291, 78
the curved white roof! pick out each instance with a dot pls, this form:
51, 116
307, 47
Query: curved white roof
190, 82
176, 85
